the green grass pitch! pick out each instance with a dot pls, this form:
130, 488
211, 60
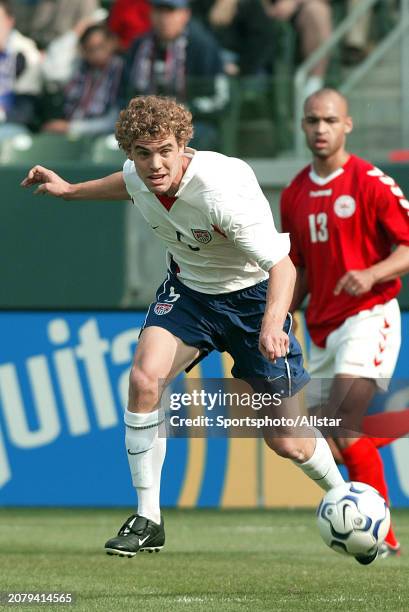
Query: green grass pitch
213, 561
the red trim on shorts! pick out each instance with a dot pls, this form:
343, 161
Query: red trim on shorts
382, 345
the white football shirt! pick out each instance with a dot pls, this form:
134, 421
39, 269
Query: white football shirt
218, 229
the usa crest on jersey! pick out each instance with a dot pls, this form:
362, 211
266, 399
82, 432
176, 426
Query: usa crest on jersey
203, 236
162, 309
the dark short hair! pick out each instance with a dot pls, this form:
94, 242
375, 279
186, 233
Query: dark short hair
92, 29
327, 91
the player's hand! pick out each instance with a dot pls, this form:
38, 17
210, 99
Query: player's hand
273, 341
356, 282
48, 182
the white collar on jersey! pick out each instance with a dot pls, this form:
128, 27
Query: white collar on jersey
319, 180
189, 170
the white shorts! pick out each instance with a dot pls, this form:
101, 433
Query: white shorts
366, 346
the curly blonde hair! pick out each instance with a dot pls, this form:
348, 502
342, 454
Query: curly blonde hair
153, 118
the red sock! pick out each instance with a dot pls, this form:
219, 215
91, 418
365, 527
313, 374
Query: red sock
386, 427
365, 464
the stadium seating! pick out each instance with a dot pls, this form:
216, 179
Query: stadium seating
41, 149
105, 150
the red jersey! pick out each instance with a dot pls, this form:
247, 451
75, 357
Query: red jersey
346, 221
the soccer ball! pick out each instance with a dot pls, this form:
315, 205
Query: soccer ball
353, 519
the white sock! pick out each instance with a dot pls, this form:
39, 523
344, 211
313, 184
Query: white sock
146, 452
149, 497
321, 466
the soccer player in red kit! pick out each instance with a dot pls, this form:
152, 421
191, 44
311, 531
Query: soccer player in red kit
344, 216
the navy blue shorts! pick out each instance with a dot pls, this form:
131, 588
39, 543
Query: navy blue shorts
228, 322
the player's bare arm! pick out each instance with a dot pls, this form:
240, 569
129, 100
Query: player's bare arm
300, 289
111, 187
358, 282
274, 342
300, 293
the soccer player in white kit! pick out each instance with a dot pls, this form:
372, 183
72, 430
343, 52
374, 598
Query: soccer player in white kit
229, 286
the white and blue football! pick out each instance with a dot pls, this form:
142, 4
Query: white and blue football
353, 519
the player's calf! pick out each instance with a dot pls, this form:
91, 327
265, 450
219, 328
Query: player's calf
296, 449
312, 455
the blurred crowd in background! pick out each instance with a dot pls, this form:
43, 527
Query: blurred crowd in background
68, 66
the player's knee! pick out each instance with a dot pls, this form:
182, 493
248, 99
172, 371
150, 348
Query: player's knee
143, 386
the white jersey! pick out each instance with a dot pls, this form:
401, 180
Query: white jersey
218, 228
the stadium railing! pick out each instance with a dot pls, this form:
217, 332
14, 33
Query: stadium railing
392, 33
